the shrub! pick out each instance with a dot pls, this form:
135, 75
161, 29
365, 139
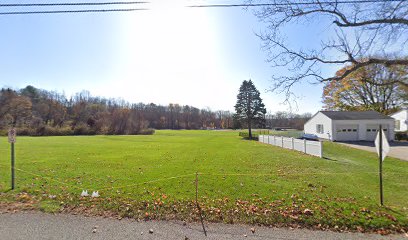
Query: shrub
56, 131
65, 131
3, 132
23, 131
245, 135
401, 136
148, 131
83, 129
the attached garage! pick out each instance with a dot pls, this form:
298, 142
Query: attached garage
372, 130
347, 132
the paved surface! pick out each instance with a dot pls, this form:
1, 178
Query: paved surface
34, 225
398, 149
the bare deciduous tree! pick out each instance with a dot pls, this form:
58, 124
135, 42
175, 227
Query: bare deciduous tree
364, 32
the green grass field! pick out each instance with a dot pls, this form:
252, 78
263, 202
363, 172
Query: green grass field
257, 132
239, 180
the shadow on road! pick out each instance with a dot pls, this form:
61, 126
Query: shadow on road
371, 144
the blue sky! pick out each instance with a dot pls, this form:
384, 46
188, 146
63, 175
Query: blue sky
167, 55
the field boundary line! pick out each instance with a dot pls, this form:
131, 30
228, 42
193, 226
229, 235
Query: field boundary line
107, 188
282, 174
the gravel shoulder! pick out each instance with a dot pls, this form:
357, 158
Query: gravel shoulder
37, 225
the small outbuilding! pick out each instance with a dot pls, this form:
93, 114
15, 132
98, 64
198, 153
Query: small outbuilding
401, 120
349, 125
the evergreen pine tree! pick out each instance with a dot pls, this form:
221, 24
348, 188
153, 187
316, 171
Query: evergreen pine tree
249, 107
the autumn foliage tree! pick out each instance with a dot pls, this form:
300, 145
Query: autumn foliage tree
40, 112
249, 107
374, 87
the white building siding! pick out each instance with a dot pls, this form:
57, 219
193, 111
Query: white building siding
319, 118
344, 131
402, 117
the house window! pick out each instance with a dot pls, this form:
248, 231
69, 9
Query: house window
354, 130
368, 130
319, 128
397, 124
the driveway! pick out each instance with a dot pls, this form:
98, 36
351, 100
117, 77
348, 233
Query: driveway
398, 149
15, 226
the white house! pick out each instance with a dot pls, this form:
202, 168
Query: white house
349, 125
401, 120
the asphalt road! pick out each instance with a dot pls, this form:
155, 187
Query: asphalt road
397, 150
35, 225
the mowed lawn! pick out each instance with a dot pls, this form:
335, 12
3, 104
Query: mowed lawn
239, 180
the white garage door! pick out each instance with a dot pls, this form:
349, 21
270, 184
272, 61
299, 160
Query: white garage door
372, 129
347, 133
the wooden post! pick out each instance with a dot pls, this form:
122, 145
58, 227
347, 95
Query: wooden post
198, 206
293, 143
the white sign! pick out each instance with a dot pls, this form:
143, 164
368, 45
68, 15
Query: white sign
12, 135
385, 145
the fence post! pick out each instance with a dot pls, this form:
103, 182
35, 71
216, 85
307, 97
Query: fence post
321, 150
268, 138
198, 206
293, 143
304, 145
12, 166
282, 141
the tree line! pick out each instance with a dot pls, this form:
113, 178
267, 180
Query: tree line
286, 120
40, 112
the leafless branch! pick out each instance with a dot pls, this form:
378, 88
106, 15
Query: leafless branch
364, 34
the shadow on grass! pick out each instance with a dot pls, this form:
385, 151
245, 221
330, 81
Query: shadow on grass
330, 159
8, 190
394, 211
248, 139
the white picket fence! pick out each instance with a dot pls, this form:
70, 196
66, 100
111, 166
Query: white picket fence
309, 147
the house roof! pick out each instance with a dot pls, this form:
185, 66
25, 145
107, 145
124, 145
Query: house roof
354, 115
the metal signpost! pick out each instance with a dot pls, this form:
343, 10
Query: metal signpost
382, 147
12, 139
